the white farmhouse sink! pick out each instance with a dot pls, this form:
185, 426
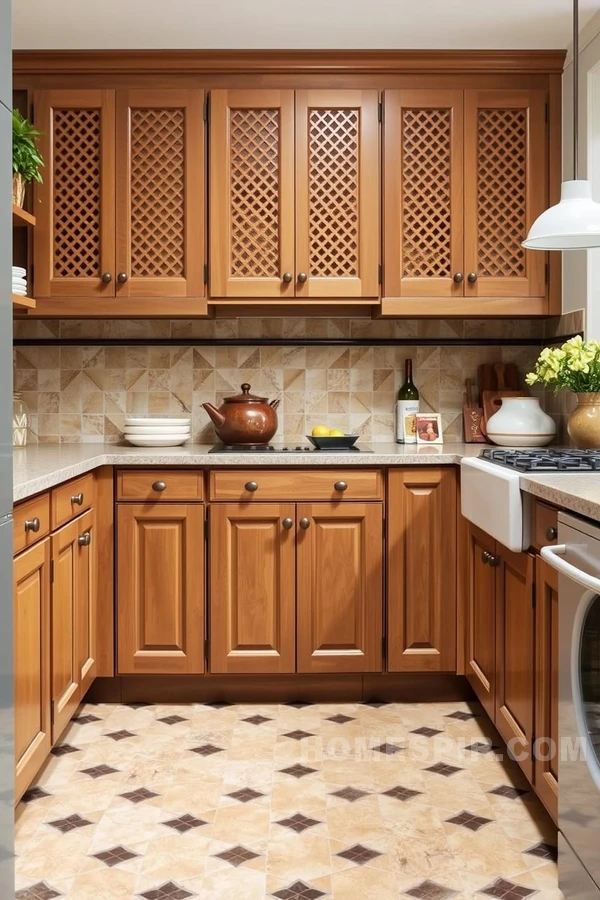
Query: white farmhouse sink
491, 499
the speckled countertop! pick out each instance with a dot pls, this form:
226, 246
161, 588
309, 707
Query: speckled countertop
38, 468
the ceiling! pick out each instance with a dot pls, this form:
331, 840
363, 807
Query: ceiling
309, 24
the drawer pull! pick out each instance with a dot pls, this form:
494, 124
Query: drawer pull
32, 525
341, 486
251, 486
305, 523
287, 523
85, 539
77, 499
159, 486
551, 533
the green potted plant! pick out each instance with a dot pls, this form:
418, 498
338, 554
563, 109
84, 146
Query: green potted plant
27, 161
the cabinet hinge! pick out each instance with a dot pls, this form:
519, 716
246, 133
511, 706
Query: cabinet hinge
380, 274
205, 273
51, 571
546, 114
547, 272
380, 112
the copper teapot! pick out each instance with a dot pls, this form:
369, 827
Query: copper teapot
244, 419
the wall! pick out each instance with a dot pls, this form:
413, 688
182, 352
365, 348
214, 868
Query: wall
82, 394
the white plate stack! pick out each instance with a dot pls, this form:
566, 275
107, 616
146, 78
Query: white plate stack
19, 281
151, 432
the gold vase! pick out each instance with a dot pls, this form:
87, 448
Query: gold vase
18, 186
584, 422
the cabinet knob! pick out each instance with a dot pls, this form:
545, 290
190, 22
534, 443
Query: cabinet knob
551, 533
122, 277
32, 525
472, 277
84, 540
287, 277
341, 486
287, 523
302, 277
77, 499
251, 486
485, 557
106, 278
159, 486
494, 561
458, 278
305, 523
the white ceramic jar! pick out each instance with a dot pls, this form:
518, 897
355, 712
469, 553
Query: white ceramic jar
520, 422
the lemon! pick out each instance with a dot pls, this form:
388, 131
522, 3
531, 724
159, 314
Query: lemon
335, 432
320, 431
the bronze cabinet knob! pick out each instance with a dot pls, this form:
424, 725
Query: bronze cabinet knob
472, 277
77, 499
106, 278
485, 557
551, 533
287, 277
251, 486
305, 523
458, 278
494, 561
32, 525
84, 540
341, 486
302, 277
159, 486
122, 277
287, 523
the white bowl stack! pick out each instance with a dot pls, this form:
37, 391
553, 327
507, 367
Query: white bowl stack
19, 281
152, 432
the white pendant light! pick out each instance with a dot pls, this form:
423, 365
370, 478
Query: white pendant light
574, 223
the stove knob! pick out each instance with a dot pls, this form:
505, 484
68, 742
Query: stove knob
551, 533
298, 447
284, 449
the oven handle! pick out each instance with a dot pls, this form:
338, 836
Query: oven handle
553, 556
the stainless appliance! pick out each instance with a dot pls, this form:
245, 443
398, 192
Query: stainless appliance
577, 559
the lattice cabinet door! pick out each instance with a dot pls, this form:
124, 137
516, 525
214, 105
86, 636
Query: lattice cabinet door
160, 196
337, 193
252, 194
74, 247
506, 179
423, 193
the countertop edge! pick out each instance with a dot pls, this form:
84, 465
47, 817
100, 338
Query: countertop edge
561, 497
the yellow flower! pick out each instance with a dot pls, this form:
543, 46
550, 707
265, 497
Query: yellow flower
532, 378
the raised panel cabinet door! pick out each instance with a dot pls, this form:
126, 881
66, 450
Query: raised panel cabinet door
64, 626
252, 587
160, 588
481, 619
506, 174
421, 565
337, 194
87, 575
340, 587
545, 776
515, 653
74, 247
31, 600
160, 196
423, 193
251, 178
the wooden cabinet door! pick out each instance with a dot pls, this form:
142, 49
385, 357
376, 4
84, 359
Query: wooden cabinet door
252, 193
421, 564
64, 613
337, 193
340, 587
160, 588
545, 776
86, 619
75, 235
31, 602
252, 587
481, 633
160, 200
423, 193
505, 191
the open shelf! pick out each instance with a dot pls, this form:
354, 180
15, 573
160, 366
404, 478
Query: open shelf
22, 217
20, 302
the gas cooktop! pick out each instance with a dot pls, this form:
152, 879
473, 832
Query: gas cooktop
545, 460
280, 448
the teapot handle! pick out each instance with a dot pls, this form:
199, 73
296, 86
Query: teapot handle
274, 404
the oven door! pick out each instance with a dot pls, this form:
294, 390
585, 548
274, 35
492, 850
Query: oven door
577, 558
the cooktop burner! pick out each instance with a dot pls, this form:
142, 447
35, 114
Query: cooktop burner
545, 460
280, 448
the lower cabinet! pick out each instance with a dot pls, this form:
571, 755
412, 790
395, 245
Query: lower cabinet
481, 627
545, 774
160, 588
31, 601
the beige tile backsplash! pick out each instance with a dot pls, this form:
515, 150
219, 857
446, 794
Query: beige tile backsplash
82, 394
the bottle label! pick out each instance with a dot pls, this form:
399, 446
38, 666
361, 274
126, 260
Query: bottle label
406, 421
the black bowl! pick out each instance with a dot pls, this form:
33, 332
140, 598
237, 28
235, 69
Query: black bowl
333, 443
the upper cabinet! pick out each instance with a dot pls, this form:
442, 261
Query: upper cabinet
294, 194
121, 211
465, 175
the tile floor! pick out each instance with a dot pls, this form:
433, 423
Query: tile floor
295, 802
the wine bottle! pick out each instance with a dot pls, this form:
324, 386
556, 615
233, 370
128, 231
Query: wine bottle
407, 407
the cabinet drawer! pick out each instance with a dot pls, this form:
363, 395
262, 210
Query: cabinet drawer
36, 509
71, 499
291, 484
545, 518
160, 485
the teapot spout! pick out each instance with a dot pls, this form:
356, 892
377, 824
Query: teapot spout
274, 404
217, 417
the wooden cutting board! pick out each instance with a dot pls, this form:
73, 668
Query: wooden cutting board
472, 416
489, 376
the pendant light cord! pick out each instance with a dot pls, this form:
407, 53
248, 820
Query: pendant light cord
575, 89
